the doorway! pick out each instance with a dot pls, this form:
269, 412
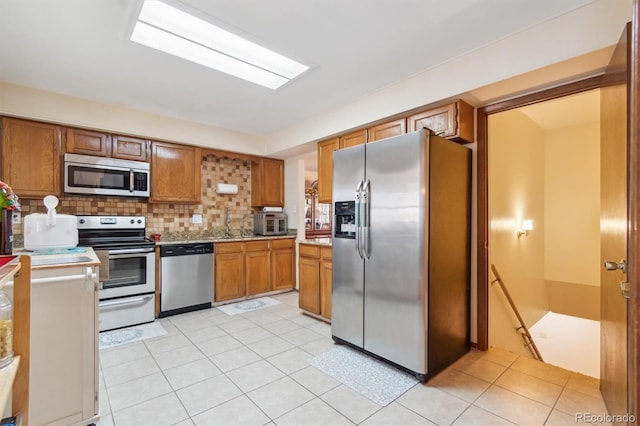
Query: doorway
544, 229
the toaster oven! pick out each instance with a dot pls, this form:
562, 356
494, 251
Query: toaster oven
270, 223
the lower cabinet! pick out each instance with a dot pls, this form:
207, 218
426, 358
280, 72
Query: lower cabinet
249, 268
314, 279
283, 264
257, 258
229, 276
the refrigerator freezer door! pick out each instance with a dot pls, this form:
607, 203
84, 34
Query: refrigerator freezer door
394, 309
348, 274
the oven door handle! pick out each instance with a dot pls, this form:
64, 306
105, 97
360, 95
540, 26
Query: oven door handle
143, 252
127, 301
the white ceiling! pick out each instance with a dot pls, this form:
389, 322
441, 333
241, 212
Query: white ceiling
81, 48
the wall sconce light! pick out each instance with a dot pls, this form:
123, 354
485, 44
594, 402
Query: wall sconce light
525, 227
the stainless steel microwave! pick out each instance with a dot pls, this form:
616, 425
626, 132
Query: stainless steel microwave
270, 223
89, 175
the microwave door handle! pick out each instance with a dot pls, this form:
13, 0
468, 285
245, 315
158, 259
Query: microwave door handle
131, 174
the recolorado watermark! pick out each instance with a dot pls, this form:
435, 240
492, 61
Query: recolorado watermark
604, 418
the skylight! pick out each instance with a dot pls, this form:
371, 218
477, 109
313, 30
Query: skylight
178, 33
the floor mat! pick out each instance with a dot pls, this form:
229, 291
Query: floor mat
248, 305
368, 376
109, 339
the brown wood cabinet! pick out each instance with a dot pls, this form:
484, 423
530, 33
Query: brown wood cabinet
91, 142
353, 139
267, 183
387, 130
257, 260
283, 264
309, 284
325, 169
248, 268
229, 276
88, 142
314, 279
452, 121
175, 173
326, 266
31, 158
130, 148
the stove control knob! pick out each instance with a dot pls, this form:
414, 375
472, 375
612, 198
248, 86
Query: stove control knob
82, 221
133, 221
139, 221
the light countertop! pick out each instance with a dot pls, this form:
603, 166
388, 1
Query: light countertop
183, 239
317, 241
80, 256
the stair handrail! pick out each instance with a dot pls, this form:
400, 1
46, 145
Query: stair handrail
523, 331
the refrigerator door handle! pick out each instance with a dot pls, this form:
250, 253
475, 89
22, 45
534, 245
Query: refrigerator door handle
358, 219
366, 204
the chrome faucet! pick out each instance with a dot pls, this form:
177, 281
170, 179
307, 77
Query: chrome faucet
227, 232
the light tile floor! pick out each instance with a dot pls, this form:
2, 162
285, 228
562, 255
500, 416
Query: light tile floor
252, 369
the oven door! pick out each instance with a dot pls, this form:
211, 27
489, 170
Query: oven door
131, 272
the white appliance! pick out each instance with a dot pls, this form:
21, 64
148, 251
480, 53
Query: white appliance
89, 175
51, 230
401, 250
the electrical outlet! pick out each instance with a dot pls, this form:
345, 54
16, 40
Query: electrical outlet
16, 217
196, 218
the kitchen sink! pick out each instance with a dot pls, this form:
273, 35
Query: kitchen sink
62, 260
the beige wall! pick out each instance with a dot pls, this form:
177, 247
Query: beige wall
20, 101
516, 192
572, 207
572, 220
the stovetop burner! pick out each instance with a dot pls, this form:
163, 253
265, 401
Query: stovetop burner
113, 232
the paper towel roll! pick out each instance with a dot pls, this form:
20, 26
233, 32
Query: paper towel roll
226, 188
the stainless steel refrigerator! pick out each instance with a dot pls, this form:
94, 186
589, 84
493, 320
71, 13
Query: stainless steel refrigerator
401, 250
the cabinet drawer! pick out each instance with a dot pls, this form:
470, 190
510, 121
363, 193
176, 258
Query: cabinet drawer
256, 245
227, 248
309, 250
325, 253
284, 243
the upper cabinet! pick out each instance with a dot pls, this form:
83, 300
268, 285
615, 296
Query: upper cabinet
175, 173
91, 142
325, 168
88, 142
31, 158
129, 148
267, 183
387, 130
353, 139
452, 121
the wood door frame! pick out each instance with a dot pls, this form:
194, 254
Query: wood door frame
634, 193
483, 185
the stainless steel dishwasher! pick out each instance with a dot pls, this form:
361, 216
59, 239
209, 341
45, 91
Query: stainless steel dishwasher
186, 277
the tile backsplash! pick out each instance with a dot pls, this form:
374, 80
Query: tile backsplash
162, 218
